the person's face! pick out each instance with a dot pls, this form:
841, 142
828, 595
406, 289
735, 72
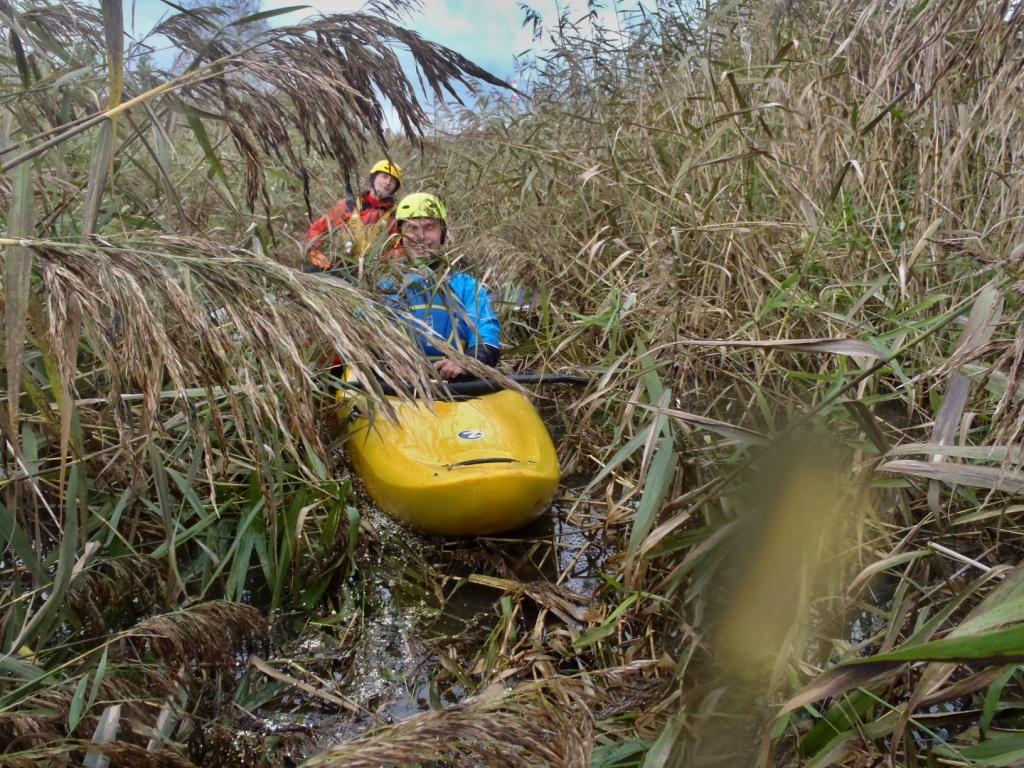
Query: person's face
384, 184
422, 238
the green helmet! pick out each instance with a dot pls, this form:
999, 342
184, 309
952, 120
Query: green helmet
421, 205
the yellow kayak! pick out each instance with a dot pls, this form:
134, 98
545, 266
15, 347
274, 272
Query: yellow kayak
466, 467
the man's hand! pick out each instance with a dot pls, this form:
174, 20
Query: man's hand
449, 369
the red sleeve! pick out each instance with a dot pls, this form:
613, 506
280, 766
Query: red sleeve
317, 230
333, 219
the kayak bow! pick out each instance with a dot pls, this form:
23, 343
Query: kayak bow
480, 464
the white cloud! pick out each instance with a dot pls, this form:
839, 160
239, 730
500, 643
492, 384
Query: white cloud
489, 33
318, 6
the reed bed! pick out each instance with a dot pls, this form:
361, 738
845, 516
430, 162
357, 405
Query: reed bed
786, 242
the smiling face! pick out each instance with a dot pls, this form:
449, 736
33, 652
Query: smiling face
383, 184
422, 238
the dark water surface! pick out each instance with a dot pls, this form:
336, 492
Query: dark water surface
409, 629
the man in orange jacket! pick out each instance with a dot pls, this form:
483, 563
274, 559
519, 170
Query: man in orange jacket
360, 219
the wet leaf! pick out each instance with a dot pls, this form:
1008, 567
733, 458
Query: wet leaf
883, 565
665, 746
851, 347
267, 14
980, 326
77, 704
106, 731
47, 614
353, 517
102, 157
999, 750
993, 453
656, 485
999, 646
17, 279
315, 691
631, 446
13, 535
97, 680
606, 627
729, 431
20, 60
836, 750
103, 154
959, 474
992, 697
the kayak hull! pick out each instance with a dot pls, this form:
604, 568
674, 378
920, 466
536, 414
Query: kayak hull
455, 468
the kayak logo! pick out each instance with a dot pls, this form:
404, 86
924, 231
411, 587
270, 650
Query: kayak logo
471, 434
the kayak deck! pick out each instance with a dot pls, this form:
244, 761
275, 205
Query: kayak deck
456, 468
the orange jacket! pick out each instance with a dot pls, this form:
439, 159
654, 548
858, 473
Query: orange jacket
366, 210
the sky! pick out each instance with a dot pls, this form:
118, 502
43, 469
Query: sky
488, 32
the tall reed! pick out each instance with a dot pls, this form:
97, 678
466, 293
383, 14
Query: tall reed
786, 242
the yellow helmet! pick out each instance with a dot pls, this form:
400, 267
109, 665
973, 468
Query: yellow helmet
386, 166
421, 205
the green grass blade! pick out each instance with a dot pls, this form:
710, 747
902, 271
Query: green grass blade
17, 277
49, 611
656, 486
77, 705
14, 536
993, 478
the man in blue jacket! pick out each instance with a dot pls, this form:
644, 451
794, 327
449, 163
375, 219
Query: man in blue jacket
454, 310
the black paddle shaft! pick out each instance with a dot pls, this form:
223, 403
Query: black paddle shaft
477, 387
457, 390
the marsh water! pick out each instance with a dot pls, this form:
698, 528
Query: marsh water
417, 627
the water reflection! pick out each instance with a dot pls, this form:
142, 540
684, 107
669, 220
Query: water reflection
414, 621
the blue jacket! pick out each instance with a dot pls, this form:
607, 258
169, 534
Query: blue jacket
456, 311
